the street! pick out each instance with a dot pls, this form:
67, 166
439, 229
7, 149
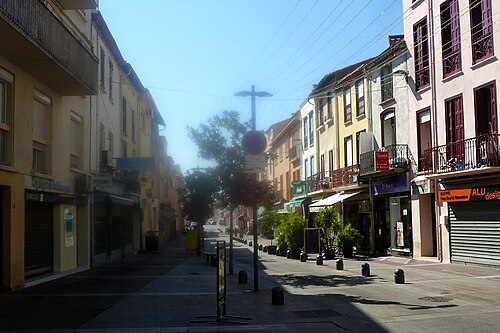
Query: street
168, 291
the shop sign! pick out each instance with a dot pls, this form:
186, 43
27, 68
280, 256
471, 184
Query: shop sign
486, 193
49, 184
391, 184
381, 161
103, 181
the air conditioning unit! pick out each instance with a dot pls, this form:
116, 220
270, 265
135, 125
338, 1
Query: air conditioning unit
105, 157
84, 183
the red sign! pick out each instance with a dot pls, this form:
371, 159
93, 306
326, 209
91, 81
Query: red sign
381, 161
254, 142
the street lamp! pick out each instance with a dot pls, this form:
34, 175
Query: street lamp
252, 94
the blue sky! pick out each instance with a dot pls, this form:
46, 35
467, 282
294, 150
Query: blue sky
194, 55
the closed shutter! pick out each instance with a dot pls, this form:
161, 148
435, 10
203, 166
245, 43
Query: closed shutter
100, 222
39, 238
475, 232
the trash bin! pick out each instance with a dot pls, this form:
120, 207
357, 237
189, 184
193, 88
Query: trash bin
278, 296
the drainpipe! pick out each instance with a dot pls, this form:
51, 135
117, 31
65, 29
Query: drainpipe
434, 125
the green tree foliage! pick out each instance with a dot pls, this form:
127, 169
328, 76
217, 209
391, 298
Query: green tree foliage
270, 220
291, 232
198, 197
329, 220
346, 238
219, 141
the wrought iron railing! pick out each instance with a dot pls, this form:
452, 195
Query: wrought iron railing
482, 47
387, 88
473, 153
399, 157
294, 152
333, 179
35, 21
452, 63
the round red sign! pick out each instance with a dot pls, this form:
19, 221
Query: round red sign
254, 142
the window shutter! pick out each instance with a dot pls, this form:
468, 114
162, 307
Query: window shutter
455, 26
494, 121
459, 119
487, 19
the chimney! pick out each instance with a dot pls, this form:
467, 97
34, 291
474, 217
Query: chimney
394, 39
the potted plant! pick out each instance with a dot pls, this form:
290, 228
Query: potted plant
268, 223
346, 238
328, 220
279, 236
293, 229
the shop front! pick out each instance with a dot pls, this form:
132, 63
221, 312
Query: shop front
473, 223
392, 223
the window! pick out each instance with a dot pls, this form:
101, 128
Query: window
486, 109
421, 54
111, 148
424, 137
360, 98
388, 123
6, 89
320, 112
101, 66
481, 21
311, 128
347, 106
455, 130
76, 148
124, 116
330, 161
329, 105
311, 162
386, 80
322, 165
305, 127
110, 80
124, 148
102, 138
358, 135
41, 132
133, 126
348, 154
450, 35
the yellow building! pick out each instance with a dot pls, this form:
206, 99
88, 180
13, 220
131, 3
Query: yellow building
44, 94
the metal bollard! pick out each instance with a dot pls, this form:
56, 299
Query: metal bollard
399, 276
303, 256
277, 296
260, 247
289, 254
264, 249
365, 269
249, 243
319, 260
340, 265
242, 277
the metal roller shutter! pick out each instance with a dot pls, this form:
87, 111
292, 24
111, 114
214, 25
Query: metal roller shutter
475, 232
39, 238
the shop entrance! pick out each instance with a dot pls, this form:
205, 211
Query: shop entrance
382, 226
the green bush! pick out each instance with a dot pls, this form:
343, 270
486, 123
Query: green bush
346, 238
293, 231
329, 220
269, 221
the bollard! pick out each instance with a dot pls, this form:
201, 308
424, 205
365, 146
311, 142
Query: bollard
319, 260
303, 256
249, 243
242, 277
365, 269
277, 296
260, 247
340, 265
399, 276
289, 254
264, 249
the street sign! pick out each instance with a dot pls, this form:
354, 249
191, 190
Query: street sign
255, 163
254, 142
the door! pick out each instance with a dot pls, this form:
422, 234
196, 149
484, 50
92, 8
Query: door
39, 238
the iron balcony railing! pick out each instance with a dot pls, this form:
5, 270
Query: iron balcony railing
473, 153
399, 157
294, 152
333, 179
482, 46
53, 54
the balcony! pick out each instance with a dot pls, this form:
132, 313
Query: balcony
398, 159
36, 41
326, 180
294, 153
79, 4
474, 153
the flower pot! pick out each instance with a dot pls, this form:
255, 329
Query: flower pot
329, 254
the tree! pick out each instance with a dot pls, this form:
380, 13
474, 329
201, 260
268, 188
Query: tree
270, 220
329, 220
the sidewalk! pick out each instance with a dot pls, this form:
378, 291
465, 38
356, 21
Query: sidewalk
168, 291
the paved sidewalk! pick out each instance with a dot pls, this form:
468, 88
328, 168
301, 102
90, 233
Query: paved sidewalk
168, 291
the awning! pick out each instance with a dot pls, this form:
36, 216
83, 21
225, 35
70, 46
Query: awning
329, 201
295, 204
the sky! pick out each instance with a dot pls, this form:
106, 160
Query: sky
194, 55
